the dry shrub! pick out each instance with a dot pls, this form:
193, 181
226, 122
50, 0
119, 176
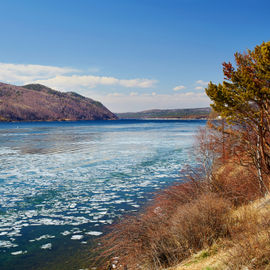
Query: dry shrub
180, 193
199, 223
155, 239
250, 232
236, 183
137, 239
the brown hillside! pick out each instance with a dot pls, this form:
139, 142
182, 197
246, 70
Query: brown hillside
35, 102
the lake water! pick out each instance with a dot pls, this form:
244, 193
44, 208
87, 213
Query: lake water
61, 183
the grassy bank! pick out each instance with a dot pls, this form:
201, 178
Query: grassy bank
248, 246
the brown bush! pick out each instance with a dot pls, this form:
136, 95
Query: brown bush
236, 183
153, 239
202, 221
180, 193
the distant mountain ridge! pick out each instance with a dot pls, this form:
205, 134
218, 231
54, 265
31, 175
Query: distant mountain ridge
197, 113
36, 102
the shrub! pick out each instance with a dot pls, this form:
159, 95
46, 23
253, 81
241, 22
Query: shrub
155, 239
236, 183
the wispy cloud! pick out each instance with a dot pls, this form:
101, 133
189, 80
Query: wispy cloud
68, 78
202, 83
64, 78
179, 87
144, 101
19, 73
89, 81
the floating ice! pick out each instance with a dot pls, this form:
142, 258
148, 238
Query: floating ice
45, 236
18, 252
46, 246
76, 175
65, 233
7, 244
77, 237
95, 233
72, 205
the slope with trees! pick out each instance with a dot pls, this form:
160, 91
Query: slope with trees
192, 113
35, 102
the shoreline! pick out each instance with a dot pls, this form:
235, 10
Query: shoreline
123, 119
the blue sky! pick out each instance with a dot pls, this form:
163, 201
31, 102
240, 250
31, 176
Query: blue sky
129, 54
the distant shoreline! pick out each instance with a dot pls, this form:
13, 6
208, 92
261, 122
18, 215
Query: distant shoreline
165, 118
168, 114
123, 119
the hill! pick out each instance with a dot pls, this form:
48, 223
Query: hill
36, 102
198, 113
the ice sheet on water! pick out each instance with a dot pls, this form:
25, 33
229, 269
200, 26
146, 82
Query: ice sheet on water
89, 177
7, 150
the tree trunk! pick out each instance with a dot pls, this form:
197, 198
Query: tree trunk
258, 164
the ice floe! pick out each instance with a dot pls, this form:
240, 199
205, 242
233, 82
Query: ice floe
45, 236
94, 233
20, 252
7, 244
46, 246
65, 233
76, 237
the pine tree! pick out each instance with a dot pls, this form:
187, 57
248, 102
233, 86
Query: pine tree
244, 98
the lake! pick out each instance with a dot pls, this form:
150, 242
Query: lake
62, 183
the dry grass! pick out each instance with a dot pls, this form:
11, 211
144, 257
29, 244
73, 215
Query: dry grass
248, 246
250, 229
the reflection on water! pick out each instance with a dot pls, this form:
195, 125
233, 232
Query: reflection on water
61, 183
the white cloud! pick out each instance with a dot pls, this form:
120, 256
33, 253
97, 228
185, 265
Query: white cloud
115, 95
63, 78
140, 102
66, 78
179, 87
89, 81
199, 88
19, 73
202, 83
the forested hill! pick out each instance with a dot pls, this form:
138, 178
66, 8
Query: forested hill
36, 102
197, 113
